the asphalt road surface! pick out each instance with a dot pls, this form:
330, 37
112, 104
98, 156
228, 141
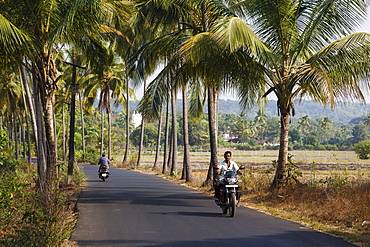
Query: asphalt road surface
135, 209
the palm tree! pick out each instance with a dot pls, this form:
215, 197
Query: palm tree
303, 125
54, 24
186, 35
325, 125
298, 49
109, 82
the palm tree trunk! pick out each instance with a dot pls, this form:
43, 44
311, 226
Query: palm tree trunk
64, 134
23, 139
127, 122
83, 129
165, 145
109, 134
102, 133
41, 149
51, 164
280, 178
141, 135
28, 137
31, 106
212, 122
72, 148
186, 163
174, 132
155, 165
15, 136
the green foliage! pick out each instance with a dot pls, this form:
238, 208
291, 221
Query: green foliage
362, 149
150, 135
92, 155
23, 216
4, 141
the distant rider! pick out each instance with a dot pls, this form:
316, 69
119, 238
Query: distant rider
104, 163
222, 168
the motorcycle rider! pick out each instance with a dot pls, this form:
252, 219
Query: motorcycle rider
103, 162
222, 168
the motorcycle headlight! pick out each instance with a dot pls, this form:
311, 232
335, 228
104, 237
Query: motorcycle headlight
232, 180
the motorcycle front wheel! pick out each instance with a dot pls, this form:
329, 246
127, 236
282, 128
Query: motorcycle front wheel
224, 210
232, 205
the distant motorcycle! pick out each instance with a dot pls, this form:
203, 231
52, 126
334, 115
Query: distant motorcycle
104, 172
229, 193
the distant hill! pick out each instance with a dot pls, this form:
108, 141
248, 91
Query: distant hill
342, 113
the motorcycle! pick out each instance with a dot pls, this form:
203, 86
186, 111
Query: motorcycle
229, 193
104, 172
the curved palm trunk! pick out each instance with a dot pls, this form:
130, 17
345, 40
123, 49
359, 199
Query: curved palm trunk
280, 178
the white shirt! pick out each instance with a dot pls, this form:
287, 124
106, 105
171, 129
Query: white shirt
224, 167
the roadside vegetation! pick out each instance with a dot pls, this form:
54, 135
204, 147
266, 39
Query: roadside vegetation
25, 219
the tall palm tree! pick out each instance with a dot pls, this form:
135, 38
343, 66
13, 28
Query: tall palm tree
109, 82
325, 126
303, 125
186, 25
50, 25
298, 49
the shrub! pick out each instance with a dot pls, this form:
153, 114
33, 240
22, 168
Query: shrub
362, 149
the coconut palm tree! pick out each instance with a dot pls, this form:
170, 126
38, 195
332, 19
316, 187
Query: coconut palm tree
109, 82
303, 125
49, 26
187, 24
298, 49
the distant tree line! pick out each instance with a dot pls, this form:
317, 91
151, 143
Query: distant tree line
262, 132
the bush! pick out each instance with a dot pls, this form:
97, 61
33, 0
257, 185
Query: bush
362, 149
25, 220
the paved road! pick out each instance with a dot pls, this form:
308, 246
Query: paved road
134, 209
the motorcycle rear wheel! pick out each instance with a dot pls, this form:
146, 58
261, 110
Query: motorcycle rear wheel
232, 205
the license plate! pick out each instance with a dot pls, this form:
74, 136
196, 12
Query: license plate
231, 185
104, 174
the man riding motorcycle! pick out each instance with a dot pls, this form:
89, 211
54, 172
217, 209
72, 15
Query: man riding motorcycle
222, 168
103, 163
